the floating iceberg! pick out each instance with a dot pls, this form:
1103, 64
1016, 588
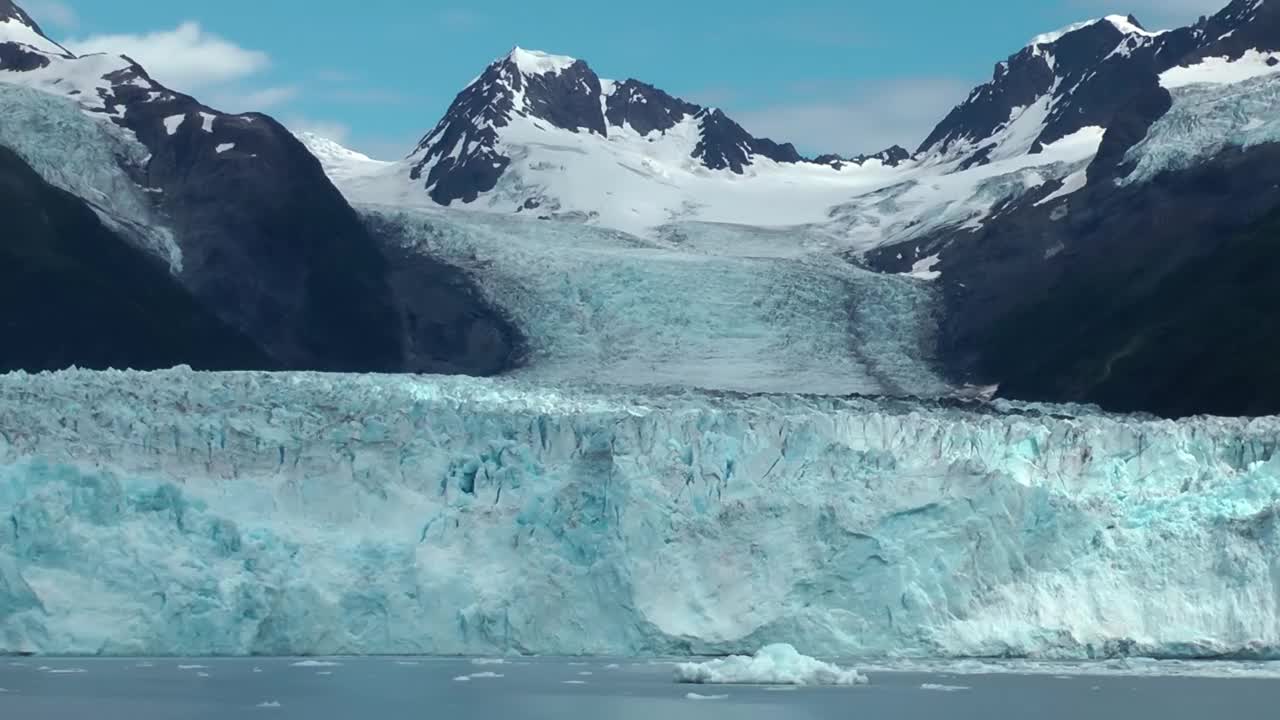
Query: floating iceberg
778, 664
189, 514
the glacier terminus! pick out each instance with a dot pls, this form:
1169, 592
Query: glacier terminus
184, 513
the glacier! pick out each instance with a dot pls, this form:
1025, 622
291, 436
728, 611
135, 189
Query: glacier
89, 157
1206, 118
720, 307
248, 513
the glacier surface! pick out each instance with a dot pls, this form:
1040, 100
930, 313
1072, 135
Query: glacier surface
188, 513
89, 158
723, 307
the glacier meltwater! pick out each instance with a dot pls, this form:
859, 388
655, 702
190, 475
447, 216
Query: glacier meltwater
192, 513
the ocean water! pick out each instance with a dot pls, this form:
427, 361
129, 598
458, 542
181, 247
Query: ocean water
377, 688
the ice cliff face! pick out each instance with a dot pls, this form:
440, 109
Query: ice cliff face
251, 513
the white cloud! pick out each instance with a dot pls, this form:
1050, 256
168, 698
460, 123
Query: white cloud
1155, 14
186, 58
52, 12
866, 119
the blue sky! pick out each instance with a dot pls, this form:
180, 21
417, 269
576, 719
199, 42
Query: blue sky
830, 75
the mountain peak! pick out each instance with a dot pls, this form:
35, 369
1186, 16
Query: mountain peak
536, 62
1126, 24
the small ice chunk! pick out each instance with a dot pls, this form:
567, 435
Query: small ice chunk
462, 678
488, 661
586, 672
779, 664
257, 669
575, 682
486, 674
944, 688
223, 147
269, 704
192, 667
612, 666
67, 671
316, 663
696, 696
407, 663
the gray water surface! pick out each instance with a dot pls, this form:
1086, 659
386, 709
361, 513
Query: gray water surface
377, 688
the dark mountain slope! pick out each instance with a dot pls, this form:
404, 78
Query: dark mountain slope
74, 293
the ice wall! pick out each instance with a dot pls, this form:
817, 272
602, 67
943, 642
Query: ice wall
193, 513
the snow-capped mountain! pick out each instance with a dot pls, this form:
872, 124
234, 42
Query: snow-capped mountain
526, 96
1112, 283
238, 209
544, 135
1069, 163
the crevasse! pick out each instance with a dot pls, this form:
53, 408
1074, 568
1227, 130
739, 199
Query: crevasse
190, 513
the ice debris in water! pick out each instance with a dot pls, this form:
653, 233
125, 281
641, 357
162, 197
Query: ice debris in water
696, 696
269, 704
488, 661
778, 664
478, 676
316, 663
944, 688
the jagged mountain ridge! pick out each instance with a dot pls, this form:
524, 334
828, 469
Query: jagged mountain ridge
460, 158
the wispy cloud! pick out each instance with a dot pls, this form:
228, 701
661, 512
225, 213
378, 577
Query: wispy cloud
52, 12
186, 58
862, 119
367, 96
239, 99
459, 19
192, 60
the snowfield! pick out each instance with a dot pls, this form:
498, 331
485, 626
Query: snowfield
188, 514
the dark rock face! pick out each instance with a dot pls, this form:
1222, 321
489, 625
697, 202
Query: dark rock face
890, 157
1158, 298
73, 292
16, 57
645, 108
726, 145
